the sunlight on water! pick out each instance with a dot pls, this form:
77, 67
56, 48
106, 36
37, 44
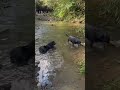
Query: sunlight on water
48, 63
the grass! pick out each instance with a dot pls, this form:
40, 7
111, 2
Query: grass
82, 67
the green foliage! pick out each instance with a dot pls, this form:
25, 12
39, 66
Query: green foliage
82, 68
69, 9
39, 3
66, 9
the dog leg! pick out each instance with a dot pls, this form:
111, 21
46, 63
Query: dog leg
78, 45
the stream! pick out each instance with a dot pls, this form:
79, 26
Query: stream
50, 63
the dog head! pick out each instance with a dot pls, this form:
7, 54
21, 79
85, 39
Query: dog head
53, 43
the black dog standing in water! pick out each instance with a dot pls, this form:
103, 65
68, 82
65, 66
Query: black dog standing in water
95, 35
74, 40
21, 55
44, 49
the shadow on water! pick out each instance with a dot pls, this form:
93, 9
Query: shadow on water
52, 61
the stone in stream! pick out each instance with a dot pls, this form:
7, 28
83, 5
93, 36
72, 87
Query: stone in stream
46, 83
37, 62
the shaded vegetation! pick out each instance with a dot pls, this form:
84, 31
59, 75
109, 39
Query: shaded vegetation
103, 12
110, 10
65, 9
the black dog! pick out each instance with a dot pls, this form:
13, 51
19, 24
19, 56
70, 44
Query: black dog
44, 49
74, 40
95, 35
21, 55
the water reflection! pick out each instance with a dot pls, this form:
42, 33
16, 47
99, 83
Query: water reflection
48, 65
52, 61
48, 62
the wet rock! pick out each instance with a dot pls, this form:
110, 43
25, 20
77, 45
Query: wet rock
46, 84
36, 63
37, 68
37, 74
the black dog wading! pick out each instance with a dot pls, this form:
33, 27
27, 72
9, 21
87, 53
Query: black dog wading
74, 40
21, 55
95, 35
44, 49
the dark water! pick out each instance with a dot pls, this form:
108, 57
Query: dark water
52, 61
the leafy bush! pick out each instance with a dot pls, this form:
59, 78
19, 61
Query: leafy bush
66, 9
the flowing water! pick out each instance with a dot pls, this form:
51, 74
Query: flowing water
51, 62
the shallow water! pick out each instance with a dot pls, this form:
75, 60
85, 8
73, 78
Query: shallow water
53, 60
